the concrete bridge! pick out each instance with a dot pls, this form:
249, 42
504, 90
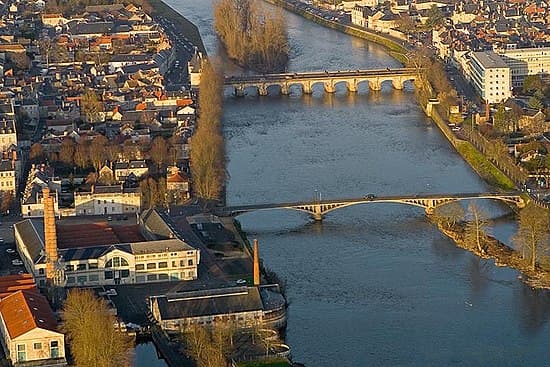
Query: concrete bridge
318, 208
328, 79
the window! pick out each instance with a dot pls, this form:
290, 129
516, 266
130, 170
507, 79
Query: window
54, 349
115, 262
124, 273
174, 264
163, 276
37, 346
93, 278
92, 266
21, 353
41, 271
108, 274
70, 280
151, 266
69, 267
81, 267
163, 265
190, 262
151, 277
140, 266
82, 279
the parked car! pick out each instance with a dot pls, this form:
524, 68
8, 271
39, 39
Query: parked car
241, 281
10, 251
17, 262
370, 196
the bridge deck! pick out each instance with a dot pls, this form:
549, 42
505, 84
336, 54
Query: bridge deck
366, 199
230, 80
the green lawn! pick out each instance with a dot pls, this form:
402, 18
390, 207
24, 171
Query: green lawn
484, 167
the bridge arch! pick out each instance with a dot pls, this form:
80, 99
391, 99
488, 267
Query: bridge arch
318, 210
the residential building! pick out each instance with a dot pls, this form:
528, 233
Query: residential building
123, 169
490, 76
8, 134
29, 329
7, 176
107, 200
526, 61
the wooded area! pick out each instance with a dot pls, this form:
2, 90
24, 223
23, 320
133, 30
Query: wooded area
252, 36
207, 147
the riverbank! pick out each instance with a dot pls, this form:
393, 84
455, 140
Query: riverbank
503, 255
184, 26
395, 47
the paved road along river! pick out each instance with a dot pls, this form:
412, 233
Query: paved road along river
374, 284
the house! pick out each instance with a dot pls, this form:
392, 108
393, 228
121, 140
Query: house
7, 176
29, 330
177, 184
107, 200
123, 169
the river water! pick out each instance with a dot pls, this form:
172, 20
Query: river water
373, 285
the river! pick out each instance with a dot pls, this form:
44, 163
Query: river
377, 284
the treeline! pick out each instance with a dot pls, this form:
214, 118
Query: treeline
252, 36
531, 239
69, 7
96, 152
207, 156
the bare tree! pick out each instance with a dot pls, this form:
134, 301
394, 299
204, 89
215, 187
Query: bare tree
98, 152
474, 232
67, 150
36, 153
449, 214
159, 151
81, 157
533, 232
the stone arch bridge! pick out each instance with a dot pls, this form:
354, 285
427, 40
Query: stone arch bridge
319, 208
329, 79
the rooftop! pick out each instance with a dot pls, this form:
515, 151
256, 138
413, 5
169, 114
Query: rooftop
489, 59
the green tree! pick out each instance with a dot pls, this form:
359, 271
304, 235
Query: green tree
532, 83
533, 232
436, 18
502, 120
90, 105
535, 103
90, 329
474, 231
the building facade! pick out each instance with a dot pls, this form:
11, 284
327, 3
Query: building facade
107, 200
29, 330
490, 76
526, 61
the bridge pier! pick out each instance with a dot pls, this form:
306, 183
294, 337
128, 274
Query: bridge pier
375, 85
285, 90
239, 91
329, 87
397, 84
262, 90
352, 86
306, 88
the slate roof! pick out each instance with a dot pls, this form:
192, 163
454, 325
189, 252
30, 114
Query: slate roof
210, 302
32, 235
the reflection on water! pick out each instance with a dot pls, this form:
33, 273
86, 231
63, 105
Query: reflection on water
375, 284
145, 355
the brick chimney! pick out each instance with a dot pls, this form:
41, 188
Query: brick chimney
50, 235
256, 263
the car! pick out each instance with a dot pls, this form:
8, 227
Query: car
17, 262
109, 218
1, 240
10, 251
241, 281
370, 196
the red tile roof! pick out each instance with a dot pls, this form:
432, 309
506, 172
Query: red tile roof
24, 311
12, 283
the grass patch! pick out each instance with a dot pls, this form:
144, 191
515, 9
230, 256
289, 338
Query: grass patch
484, 167
182, 24
271, 363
